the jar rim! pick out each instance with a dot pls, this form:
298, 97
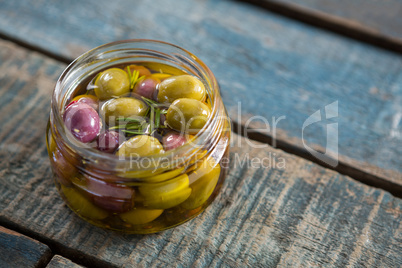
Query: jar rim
187, 150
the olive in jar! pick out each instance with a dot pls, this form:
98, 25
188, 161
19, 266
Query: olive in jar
122, 108
187, 115
112, 82
181, 86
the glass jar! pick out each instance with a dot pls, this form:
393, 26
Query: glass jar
141, 194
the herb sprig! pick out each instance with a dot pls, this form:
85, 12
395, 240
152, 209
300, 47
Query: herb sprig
131, 125
156, 109
133, 77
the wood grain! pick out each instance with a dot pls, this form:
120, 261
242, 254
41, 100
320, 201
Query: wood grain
273, 66
19, 251
267, 215
380, 17
60, 262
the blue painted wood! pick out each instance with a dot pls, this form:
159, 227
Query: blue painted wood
380, 17
272, 65
275, 209
17, 250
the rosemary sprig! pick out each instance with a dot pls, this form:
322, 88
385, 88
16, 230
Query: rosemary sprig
138, 127
157, 118
129, 74
117, 127
130, 125
152, 118
150, 102
132, 132
133, 77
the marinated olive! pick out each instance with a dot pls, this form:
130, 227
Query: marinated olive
182, 86
83, 121
108, 141
141, 70
111, 197
165, 175
123, 107
113, 82
82, 205
139, 146
160, 76
91, 100
166, 194
203, 181
173, 140
140, 216
146, 87
187, 115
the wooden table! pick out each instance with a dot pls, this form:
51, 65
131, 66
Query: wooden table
272, 58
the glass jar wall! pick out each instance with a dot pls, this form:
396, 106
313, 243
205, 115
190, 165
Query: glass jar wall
140, 193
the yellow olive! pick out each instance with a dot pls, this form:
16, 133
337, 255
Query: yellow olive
181, 86
81, 205
166, 194
165, 175
203, 181
123, 107
140, 216
187, 115
112, 82
160, 76
139, 146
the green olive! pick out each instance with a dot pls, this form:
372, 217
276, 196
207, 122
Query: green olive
123, 107
139, 146
203, 181
81, 205
140, 216
181, 86
113, 82
187, 115
166, 194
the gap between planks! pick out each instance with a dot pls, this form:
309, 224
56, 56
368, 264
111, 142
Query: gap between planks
56, 248
329, 22
343, 168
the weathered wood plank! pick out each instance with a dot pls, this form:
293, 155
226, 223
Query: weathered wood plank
286, 212
17, 250
380, 17
60, 262
274, 66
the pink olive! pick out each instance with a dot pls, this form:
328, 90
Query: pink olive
172, 140
112, 197
83, 121
109, 141
146, 87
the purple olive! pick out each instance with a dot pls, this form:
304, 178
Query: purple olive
173, 140
82, 120
108, 141
112, 197
146, 87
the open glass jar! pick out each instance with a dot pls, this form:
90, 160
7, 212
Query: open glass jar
137, 193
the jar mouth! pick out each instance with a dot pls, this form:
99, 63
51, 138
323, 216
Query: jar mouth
135, 50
